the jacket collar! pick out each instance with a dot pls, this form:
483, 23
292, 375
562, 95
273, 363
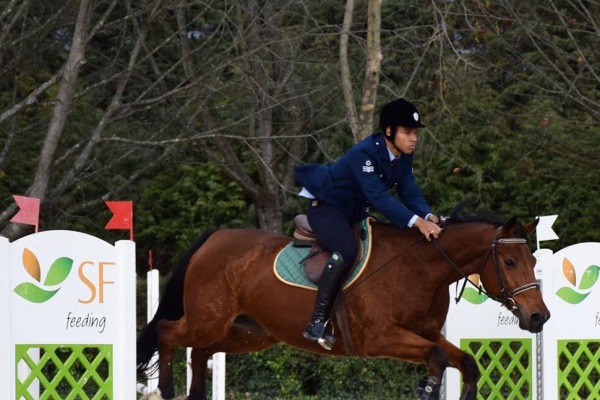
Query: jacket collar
384, 153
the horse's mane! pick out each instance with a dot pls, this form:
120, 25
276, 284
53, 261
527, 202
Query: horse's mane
464, 213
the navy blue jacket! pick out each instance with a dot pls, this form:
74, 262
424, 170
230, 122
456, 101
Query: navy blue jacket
361, 178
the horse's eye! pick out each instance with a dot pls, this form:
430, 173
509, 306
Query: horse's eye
509, 262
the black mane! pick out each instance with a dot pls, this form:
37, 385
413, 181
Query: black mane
463, 213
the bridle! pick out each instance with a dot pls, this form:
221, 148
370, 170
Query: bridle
506, 296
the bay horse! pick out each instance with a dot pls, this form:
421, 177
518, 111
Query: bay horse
225, 298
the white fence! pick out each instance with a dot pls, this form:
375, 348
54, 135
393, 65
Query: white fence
62, 296
560, 363
65, 331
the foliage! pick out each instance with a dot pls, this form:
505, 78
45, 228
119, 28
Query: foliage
284, 372
179, 204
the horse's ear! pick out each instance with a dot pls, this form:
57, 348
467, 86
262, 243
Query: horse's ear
530, 227
509, 226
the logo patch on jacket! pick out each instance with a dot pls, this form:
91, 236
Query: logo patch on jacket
368, 168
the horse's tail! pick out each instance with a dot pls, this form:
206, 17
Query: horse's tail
169, 308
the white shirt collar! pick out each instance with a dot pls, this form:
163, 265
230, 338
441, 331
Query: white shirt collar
392, 156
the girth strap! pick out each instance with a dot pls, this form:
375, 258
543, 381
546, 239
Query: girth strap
341, 316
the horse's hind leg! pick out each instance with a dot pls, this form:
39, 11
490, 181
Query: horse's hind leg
171, 334
246, 335
200, 359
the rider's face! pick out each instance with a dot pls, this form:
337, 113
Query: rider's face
405, 140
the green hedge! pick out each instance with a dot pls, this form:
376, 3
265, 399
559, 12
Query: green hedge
283, 372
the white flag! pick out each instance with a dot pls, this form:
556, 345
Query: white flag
544, 228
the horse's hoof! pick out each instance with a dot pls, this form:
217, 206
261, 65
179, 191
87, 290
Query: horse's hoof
153, 395
467, 393
428, 389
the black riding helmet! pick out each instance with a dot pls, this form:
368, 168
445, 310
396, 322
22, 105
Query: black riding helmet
399, 112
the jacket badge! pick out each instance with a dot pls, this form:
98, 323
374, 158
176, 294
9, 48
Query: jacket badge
368, 167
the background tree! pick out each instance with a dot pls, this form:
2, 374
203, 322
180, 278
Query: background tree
198, 110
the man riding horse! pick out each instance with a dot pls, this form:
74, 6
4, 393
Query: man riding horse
339, 195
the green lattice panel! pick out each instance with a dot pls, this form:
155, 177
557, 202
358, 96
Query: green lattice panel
578, 369
505, 366
65, 372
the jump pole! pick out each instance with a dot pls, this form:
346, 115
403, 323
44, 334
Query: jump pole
153, 297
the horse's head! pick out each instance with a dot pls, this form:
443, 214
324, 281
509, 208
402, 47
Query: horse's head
509, 277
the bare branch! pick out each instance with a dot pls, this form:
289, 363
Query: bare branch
345, 74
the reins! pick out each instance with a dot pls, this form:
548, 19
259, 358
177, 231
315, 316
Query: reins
506, 297
382, 266
465, 278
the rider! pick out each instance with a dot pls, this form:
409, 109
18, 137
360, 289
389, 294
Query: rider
340, 193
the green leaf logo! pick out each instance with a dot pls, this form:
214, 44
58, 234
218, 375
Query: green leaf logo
474, 296
58, 272
590, 276
33, 293
576, 294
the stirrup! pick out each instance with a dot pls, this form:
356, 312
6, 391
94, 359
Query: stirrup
324, 340
324, 343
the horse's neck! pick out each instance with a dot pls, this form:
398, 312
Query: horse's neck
461, 246
467, 246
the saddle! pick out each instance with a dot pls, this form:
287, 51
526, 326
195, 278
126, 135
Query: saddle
315, 261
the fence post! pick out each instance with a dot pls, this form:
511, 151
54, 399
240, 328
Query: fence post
126, 332
152, 298
218, 380
543, 264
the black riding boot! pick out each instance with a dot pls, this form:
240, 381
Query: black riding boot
329, 285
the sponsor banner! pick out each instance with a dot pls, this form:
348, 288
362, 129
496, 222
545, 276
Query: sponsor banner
68, 290
572, 291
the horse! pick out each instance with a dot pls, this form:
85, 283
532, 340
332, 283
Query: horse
225, 298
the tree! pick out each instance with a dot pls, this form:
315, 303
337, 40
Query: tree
146, 99
361, 123
65, 95
523, 106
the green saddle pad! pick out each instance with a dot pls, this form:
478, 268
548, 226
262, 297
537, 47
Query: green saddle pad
288, 269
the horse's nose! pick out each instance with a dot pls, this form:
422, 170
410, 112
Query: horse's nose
537, 320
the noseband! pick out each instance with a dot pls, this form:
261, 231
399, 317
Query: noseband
506, 296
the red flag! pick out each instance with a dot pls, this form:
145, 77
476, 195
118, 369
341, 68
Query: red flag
29, 211
122, 216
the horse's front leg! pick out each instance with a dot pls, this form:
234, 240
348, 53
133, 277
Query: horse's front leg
465, 363
408, 346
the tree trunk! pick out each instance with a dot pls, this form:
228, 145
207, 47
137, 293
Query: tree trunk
361, 123
372, 71
61, 110
270, 217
